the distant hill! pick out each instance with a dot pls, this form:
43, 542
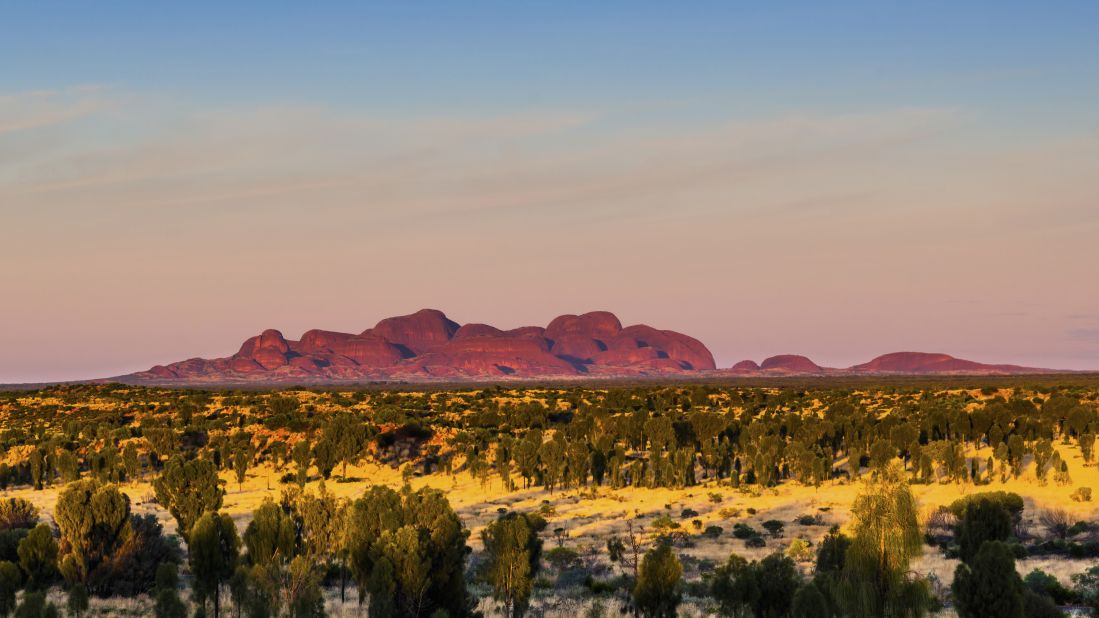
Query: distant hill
427, 345
896, 363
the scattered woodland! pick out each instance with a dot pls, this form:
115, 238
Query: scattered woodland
830, 498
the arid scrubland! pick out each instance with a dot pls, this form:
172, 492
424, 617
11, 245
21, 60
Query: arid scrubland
707, 470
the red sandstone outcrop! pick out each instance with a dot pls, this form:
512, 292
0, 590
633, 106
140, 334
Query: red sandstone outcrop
791, 363
926, 363
428, 345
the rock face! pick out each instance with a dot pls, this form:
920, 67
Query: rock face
790, 363
427, 345
923, 363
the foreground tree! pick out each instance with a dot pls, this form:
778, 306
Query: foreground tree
270, 536
513, 551
77, 601
9, 587
761, 589
35, 605
93, 519
38, 557
213, 551
394, 537
886, 537
984, 519
188, 489
168, 603
988, 586
656, 592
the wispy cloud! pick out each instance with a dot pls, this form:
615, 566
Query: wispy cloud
429, 166
44, 108
1084, 334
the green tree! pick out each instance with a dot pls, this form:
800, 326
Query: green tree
241, 459
441, 538
760, 589
213, 551
322, 520
304, 596
809, 602
38, 557
349, 438
983, 520
270, 536
10, 580
988, 586
35, 605
188, 489
657, 590
77, 602
131, 461
513, 554
886, 537
301, 456
94, 520
325, 456
168, 604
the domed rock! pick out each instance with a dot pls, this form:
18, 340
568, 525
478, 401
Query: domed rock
601, 325
690, 352
746, 365
928, 363
419, 332
791, 363
369, 351
427, 345
478, 330
316, 340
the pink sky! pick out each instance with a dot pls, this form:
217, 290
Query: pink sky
139, 231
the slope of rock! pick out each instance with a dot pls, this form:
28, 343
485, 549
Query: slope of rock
791, 363
923, 363
428, 345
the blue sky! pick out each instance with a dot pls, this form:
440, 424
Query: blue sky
485, 56
838, 179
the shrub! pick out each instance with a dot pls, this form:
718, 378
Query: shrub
17, 513
800, 551
562, 558
688, 513
744, 531
663, 522
755, 541
774, 526
1010, 502
1043, 583
9, 543
712, 532
1057, 522
657, 592
1082, 494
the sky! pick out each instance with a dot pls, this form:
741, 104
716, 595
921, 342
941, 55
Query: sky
839, 179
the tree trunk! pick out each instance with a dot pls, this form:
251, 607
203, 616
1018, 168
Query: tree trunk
343, 579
